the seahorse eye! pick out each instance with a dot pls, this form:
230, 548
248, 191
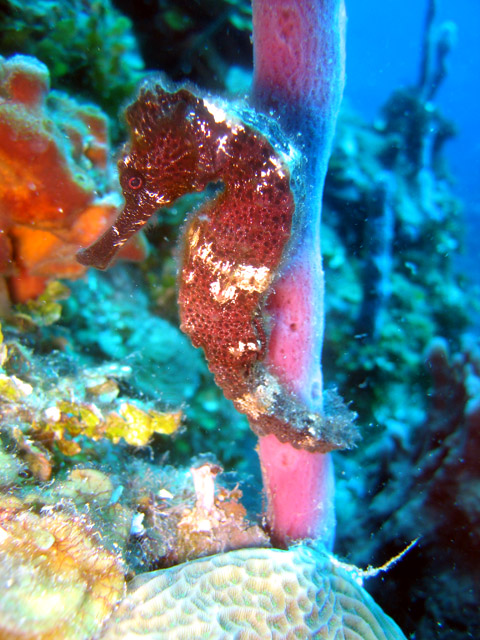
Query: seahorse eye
135, 182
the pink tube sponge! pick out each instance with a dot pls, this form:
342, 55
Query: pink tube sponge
300, 488
299, 62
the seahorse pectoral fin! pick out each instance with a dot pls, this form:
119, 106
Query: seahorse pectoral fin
102, 252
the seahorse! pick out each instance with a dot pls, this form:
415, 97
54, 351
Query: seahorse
232, 247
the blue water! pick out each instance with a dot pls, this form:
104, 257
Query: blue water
383, 53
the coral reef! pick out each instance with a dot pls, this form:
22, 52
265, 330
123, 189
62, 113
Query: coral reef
207, 42
84, 406
429, 488
94, 463
56, 185
72, 437
389, 252
256, 593
390, 208
87, 45
57, 579
115, 321
53, 429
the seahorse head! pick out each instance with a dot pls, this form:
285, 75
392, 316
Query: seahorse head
172, 150
165, 157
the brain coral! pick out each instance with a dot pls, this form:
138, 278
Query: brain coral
252, 594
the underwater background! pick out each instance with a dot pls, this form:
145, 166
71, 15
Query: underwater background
105, 407
383, 53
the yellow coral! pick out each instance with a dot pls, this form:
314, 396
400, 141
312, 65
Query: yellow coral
136, 426
61, 415
46, 309
3, 349
13, 389
131, 423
